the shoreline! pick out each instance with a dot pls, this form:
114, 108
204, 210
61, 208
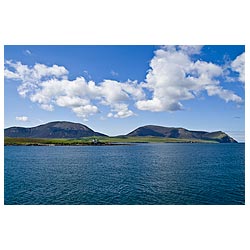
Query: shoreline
77, 145
101, 141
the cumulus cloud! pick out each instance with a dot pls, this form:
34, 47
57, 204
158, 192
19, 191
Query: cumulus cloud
71, 101
225, 94
33, 74
174, 77
47, 107
50, 87
22, 118
238, 65
120, 111
115, 94
10, 75
84, 111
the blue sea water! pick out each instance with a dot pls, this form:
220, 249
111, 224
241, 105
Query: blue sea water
169, 173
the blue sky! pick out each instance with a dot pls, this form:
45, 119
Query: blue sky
114, 89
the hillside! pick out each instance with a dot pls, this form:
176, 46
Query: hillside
181, 133
149, 133
58, 129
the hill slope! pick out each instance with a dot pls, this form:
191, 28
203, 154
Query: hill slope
58, 129
181, 133
66, 130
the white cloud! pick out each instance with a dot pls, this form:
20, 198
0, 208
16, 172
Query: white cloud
41, 70
85, 111
113, 92
49, 87
22, 118
116, 94
174, 77
121, 111
224, 94
36, 73
76, 95
133, 89
47, 107
109, 115
71, 101
238, 65
10, 75
157, 105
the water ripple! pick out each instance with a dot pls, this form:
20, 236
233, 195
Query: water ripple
140, 174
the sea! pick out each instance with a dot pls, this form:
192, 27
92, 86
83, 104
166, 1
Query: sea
136, 174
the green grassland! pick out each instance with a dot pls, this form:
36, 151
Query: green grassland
101, 141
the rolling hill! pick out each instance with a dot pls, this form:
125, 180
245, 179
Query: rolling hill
58, 129
149, 133
181, 133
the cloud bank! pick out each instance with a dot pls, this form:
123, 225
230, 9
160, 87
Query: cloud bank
49, 86
174, 76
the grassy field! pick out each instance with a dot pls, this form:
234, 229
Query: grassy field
102, 140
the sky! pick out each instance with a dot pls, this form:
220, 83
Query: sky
115, 89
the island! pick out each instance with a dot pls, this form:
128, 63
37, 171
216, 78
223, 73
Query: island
64, 133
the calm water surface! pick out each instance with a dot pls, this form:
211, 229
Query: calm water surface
139, 174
